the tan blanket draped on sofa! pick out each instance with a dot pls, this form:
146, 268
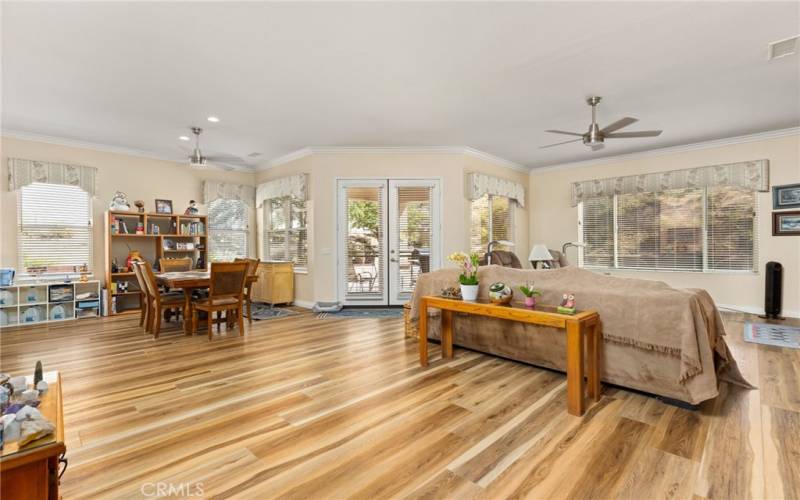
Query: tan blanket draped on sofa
648, 315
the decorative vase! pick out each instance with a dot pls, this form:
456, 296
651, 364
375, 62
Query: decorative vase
500, 293
530, 301
469, 292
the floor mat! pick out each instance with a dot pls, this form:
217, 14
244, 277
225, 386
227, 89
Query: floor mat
264, 311
363, 313
775, 335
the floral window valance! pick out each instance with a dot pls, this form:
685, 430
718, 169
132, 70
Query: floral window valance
479, 185
753, 175
213, 190
294, 185
23, 172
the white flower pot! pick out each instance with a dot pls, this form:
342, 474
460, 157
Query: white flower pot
469, 292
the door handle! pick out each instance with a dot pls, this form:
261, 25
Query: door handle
392, 260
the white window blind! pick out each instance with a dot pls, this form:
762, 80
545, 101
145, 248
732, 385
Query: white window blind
491, 219
54, 227
228, 229
285, 237
691, 229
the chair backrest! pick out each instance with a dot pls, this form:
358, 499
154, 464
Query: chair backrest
252, 265
150, 280
502, 258
137, 270
227, 279
173, 265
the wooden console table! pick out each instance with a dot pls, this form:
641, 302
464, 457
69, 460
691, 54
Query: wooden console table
579, 326
31, 472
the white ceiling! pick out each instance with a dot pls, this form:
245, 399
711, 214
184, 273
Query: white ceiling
490, 76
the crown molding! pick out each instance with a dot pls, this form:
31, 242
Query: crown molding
715, 143
303, 152
105, 148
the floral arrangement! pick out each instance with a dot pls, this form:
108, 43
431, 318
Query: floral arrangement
528, 290
468, 265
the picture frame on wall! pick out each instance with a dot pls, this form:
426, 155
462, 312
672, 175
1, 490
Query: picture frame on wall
786, 196
786, 223
163, 206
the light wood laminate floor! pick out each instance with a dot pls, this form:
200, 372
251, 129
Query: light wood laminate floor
334, 408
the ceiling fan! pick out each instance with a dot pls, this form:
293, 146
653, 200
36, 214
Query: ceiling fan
596, 136
198, 160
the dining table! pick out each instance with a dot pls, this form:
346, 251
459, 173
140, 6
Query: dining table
189, 281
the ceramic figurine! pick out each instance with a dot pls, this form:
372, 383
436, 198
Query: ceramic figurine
38, 374
122, 286
567, 304
500, 293
139, 205
42, 387
120, 202
192, 208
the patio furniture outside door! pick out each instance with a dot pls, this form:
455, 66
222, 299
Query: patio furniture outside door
388, 234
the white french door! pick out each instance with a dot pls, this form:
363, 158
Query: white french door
388, 234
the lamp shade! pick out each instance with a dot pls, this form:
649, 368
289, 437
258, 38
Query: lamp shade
539, 252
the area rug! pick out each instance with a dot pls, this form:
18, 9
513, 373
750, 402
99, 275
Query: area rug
775, 335
363, 313
264, 311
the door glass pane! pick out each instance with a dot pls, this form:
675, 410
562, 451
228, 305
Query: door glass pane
414, 236
364, 224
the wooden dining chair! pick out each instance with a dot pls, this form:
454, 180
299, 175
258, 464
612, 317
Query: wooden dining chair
159, 300
252, 269
144, 298
225, 293
175, 265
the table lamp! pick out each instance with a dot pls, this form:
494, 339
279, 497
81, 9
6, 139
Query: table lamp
539, 253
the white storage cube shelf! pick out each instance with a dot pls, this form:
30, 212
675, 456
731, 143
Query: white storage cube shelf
48, 302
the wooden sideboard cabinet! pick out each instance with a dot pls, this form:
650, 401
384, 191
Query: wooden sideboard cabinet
275, 283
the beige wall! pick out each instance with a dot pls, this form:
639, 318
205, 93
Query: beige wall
553, 221
325, 168
140, 178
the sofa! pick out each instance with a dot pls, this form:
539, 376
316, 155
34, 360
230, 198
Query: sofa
657, 339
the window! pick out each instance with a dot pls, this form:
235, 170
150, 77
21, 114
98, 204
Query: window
54, 227
285, 237
492, 219
227, 227
703, 229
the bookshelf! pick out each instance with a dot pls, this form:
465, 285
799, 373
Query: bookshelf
154, 236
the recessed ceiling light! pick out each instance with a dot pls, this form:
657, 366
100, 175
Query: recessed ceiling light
183, 138
213, 119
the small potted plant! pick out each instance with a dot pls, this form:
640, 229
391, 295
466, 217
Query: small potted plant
468, 279
530, 294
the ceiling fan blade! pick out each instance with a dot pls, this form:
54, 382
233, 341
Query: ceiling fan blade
624, 122
560, 143
232, 159
563, 132
643, 133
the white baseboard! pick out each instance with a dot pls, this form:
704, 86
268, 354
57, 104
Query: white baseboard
757, 310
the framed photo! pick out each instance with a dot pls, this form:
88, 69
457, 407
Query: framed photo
787, 196
164, 206
786, 223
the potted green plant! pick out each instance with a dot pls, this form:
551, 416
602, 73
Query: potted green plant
468, 279
530, 294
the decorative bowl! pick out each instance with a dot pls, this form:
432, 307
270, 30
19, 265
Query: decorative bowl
500, 293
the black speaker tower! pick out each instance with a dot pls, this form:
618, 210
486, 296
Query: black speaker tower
773, 291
